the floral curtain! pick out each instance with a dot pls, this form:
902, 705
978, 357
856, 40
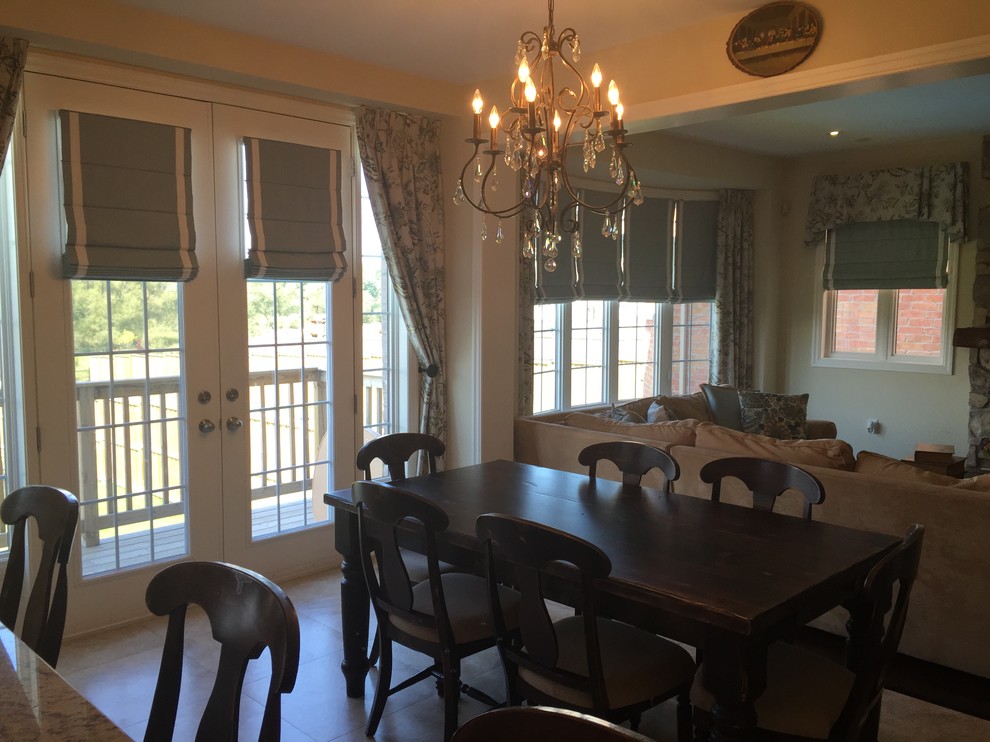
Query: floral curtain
937, 194
401, 159
13, 52
733, 336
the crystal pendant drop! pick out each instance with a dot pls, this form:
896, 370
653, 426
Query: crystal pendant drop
599, 141
576, 49
527, 189
620, 173
613, 166
550, 265
576, 244
529, 252
477, 170
458, 195
493, 180
484, 229
588, 150
520, 52
635, 191
607, 226
499, 236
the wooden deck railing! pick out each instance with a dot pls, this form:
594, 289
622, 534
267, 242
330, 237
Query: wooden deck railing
114, 421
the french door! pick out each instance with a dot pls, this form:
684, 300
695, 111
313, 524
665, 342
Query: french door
190, 418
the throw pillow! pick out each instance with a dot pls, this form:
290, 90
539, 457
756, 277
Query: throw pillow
622, 414
687, 407
776, 415
658, 414
828, 453
723, 405
877, 464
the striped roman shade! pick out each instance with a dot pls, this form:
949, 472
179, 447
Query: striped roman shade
695, 250
294, 211
898, 254
127, 193
648, 251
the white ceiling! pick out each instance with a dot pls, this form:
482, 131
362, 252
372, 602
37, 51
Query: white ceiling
462, 41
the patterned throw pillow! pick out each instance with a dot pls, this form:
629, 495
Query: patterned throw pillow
658, 414
621, 414
777, 415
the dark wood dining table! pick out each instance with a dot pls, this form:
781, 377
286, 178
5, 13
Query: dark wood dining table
727, 579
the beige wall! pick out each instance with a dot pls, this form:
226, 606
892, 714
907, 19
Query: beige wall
912, 407
664, 80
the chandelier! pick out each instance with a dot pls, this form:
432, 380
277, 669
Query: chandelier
553, 114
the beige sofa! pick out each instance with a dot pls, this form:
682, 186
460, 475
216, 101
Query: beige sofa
949, 619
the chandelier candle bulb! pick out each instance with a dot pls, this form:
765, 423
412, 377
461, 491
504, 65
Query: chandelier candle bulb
613, 99
493, 119
596, 83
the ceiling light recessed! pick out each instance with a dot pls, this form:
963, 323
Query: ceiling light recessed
834, 133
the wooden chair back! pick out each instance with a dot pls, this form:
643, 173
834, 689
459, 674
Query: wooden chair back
533, 549
395, 450
383, 510
542, 722
766, 479
633, 459
56, 513
885, 624
247, 613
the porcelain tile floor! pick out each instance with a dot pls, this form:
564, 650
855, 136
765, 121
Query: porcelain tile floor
117, 670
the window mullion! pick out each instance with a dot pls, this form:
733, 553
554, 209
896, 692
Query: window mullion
564, 354
611, 352
886, 316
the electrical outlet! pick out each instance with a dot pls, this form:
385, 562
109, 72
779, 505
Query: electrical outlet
873, 426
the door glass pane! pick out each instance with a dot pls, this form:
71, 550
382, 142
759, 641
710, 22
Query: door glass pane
128, 366
288, 367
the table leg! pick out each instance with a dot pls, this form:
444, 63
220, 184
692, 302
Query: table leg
858, 628
735, 673
354, 606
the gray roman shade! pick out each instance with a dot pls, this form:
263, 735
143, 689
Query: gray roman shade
694, 251
899, 254
648, 251
127, 194
294, 211
600, 266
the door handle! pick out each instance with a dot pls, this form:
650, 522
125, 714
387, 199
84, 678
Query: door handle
206, 426
234, 424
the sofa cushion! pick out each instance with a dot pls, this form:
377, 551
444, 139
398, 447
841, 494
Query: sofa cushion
676, 432
687, 407
828, 453
775, 415
877, 464
723, 405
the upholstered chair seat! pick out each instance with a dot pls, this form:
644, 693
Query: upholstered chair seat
467, 608
635, 665
805, 693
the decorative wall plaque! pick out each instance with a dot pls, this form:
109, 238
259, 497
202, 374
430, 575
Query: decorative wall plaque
775, 38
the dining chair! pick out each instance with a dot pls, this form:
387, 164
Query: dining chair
583, 662
811, 697
56, 512
394, 451
542, 722
766, 479
445, 617
631, 458
247, 614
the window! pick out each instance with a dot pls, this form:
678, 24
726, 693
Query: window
384, 359
592, 352
886, 328
10, 414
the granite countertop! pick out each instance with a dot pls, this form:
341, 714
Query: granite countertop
37, 704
